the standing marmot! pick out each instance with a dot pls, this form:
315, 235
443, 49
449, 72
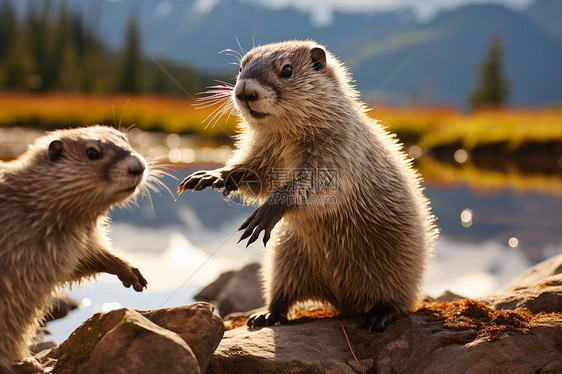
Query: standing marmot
53, 222
348, 222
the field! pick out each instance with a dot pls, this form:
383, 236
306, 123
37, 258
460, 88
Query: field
517, 147
173, 115
428, 127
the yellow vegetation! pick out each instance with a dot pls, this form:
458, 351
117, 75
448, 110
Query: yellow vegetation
427, 126
145, 112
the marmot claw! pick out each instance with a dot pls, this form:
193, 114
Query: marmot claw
263, 219
265, 319
376, 319
198, 181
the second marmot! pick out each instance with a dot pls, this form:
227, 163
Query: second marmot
342, 210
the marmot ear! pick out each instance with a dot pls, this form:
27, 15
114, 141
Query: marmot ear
55, 150
318, 56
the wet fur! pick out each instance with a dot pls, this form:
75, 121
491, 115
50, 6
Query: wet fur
365, 253
53, 224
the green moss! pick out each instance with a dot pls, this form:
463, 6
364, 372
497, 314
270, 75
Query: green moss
83, 340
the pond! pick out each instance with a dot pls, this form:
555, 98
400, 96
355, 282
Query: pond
181, 243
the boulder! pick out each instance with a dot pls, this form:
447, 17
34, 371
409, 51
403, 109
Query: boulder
130, 341
422, 342
61, 305
196, 325
210, 292
516, 331
235, 291
543, 297
132, 344
536, 274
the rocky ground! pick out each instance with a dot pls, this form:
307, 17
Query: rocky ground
519, 330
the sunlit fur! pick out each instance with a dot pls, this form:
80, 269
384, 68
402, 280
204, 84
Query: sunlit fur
370, 241
53, 222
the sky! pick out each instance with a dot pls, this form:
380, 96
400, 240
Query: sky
321, 10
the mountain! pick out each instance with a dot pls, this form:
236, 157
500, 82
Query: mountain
547, 13
437, 62
393, 56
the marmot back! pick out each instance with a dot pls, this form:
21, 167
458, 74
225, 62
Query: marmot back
343, 214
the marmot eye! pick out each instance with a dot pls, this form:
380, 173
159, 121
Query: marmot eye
287, 71
93, 154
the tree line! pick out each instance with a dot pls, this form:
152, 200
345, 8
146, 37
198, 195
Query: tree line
49, 49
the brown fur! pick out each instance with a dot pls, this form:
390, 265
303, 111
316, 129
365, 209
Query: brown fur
53, 223
361, 243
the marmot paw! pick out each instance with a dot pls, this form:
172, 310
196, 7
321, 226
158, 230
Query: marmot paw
200, 180
133, 278
376, 319
263, 319
262, 219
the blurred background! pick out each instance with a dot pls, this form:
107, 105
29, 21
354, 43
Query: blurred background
472, 88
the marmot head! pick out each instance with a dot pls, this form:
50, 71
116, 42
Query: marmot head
90, 166
295, 83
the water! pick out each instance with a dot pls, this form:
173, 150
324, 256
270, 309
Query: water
181, 243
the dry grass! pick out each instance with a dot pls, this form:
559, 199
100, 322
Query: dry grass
430, 127
146, 112
427, 126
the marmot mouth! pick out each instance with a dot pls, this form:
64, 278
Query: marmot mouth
130, 189
255, 114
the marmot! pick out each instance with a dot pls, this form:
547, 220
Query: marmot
53, 223
343, 213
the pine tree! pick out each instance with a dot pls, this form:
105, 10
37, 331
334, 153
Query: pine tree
19, 62
492, 87
7, 27
129, 73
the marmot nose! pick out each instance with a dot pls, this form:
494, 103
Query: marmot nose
245, 91
136, 167
247, 96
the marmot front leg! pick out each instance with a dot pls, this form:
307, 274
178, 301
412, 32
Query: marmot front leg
104, 262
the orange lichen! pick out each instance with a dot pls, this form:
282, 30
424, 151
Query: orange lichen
298, 315
485, 322
551, 283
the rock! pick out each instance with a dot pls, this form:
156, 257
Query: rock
211, 292
543, 297
449, 296
61, 305
538, 289
316, 347
196, 325
535, 275
518, 331
126, 347
120, 342
27, 366
42, 345
418, 343
39, 343
233, 292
